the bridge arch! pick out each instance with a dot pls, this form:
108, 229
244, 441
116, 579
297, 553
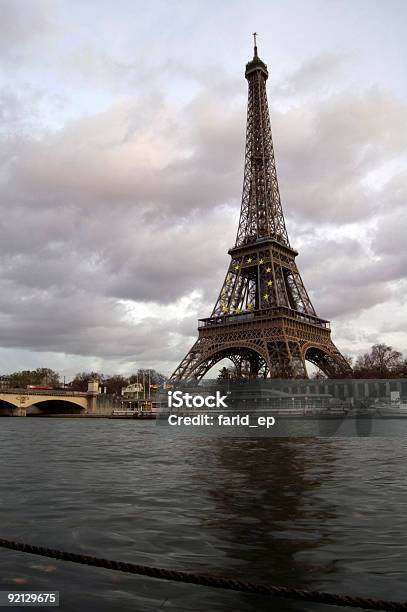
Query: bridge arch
20, 401
7, 408
54, 406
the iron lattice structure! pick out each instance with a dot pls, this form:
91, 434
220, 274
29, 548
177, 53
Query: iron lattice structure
263, 320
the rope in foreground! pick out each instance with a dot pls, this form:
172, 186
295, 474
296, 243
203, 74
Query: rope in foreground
208, 581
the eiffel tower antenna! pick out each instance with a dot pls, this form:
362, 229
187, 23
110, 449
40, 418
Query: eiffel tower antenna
255, 43
263, 320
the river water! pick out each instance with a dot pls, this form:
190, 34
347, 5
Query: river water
317, 513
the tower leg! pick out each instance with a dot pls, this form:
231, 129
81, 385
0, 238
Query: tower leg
329, 360
254, 366
285, 360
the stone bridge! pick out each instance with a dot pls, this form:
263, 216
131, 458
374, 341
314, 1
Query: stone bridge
20, 402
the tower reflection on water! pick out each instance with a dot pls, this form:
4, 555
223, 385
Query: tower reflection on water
264, 510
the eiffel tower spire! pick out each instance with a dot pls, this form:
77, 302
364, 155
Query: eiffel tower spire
263, 319
261, 213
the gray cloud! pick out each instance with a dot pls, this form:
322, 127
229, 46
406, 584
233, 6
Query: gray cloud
329, 153
313, 73
347, 277
390, 239
25, 27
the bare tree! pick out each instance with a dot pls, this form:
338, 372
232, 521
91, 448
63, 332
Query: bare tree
40, 376
80, 382
382, 362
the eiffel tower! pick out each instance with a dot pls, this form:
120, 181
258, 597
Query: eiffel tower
263, 320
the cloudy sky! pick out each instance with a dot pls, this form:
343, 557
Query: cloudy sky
121, 167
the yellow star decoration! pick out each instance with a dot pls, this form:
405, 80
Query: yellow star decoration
250, 306
225, 309
249, 260
268, 270
237, 310
236, 266
266, 296
261, 261
269, 283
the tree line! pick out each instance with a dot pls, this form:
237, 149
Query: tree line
113, 383
382, 361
